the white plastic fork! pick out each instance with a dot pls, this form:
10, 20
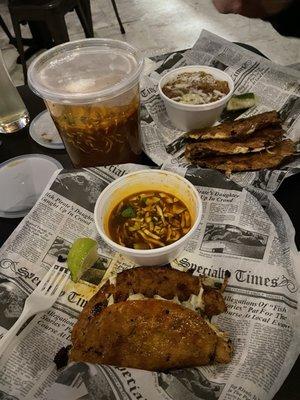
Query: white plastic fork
41, 299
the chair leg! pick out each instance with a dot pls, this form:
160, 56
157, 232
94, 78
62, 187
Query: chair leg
83, 18
12, 40
19, 44
118, 17
85, 6
57, 26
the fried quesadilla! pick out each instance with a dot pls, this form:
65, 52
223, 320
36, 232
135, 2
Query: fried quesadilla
247, 144
239, 128
250, 161
137, 316
260, 140
141, 334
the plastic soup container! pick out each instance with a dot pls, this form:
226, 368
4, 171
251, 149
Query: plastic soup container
147, 180
91, 88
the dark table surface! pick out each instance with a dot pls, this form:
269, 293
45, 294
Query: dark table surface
21, 143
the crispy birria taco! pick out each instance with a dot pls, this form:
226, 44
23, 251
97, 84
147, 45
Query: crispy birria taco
137, 316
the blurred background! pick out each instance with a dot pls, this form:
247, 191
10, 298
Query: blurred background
155, 26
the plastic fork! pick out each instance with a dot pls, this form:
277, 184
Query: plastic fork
41, 299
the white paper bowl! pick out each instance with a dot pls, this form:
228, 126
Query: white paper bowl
190, 116
141, 181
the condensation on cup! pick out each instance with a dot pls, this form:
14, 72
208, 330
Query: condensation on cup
13, 113
91, 88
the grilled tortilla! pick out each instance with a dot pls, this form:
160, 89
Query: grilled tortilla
137, 316
260, 140
239, 128
142, 334
165, 282
250, 161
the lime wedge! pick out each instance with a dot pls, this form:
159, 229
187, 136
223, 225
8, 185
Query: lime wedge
82, 256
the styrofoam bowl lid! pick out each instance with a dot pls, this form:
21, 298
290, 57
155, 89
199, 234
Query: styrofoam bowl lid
85, 71
22, 181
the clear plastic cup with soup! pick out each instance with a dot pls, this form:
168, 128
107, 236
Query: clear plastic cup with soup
91, 88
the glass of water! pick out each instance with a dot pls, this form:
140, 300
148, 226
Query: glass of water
13, 113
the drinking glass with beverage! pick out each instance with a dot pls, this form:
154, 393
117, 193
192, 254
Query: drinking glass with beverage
91, 88
13, 113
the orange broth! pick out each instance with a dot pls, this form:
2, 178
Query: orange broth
148, 220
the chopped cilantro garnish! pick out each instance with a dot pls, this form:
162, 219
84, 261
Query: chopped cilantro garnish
128, 212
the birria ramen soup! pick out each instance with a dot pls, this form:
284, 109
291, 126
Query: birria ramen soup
195, 88
148, 220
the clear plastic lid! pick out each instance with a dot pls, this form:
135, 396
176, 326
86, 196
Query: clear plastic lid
85, 71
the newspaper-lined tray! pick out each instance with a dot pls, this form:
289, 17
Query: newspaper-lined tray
254, 239
276, 88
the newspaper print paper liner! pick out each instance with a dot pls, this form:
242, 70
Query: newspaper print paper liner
276, 87
248, 233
